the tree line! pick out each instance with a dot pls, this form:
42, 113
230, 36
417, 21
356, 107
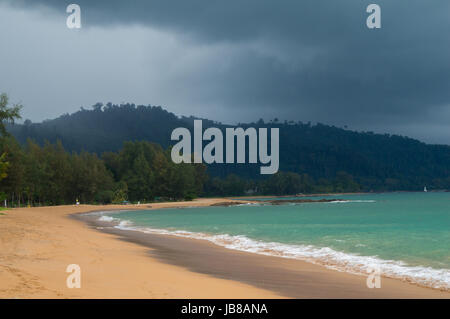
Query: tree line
141, 172
49, 175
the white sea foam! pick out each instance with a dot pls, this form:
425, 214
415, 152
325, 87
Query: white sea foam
124, 224
362, 201
345, 201
103, 213
345, 262
107, 218
249, 204
119, 223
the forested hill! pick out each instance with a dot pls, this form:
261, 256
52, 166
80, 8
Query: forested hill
375, 161
102, 128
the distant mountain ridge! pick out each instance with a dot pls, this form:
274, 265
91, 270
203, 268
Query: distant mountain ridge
376, 161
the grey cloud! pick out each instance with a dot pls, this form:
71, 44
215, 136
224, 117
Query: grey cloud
308, 60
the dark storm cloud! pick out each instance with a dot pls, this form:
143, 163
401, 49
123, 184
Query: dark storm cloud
307, 59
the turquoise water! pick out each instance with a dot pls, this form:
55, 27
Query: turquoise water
405, 234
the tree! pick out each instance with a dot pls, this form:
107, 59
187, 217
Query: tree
7, 114
3, 166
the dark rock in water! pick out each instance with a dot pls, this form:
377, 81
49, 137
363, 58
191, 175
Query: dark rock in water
226, 204
281, 201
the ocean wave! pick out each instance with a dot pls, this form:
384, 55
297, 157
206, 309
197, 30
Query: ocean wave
363, 201
328, 257
107, 218
104, 212
250, 204
344, 201
337, 201
119, 223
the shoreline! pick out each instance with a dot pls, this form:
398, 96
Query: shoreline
250, 275
281, 275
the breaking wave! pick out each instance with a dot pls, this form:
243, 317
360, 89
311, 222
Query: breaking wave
328, 257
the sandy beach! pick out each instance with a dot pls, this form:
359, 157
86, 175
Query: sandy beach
37, 244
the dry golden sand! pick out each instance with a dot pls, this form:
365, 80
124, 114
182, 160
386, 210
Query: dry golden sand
37, 244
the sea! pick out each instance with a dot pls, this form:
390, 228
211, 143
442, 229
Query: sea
400, 235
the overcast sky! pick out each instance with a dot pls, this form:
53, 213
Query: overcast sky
236, 60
